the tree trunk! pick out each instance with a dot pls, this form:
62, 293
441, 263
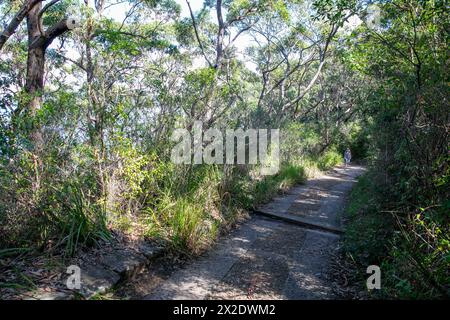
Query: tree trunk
34, 86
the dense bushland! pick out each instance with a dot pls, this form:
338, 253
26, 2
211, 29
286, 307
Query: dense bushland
87, 115
399, 213
86, 126
186, 206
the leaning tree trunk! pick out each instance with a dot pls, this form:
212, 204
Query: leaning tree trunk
34, 88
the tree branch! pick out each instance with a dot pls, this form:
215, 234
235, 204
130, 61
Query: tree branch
332, 33
247, 12
15, 22
220, 34
45, 8
53, 32
196, 33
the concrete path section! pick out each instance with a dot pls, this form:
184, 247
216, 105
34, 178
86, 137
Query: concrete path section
318, 203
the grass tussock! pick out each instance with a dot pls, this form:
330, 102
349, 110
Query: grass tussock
191, 221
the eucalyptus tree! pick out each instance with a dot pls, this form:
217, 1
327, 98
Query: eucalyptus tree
213, 33
39, 39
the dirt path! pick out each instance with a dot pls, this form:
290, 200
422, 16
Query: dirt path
265, 258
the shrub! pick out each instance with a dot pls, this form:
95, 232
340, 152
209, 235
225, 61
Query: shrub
411, 249
329, 159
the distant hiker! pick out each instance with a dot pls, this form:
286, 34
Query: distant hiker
347, 156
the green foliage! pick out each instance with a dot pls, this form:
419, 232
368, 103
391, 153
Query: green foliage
184, 31
334, 10
409, 178
65, 213
200, 78
189, 214
57, 11
269, 186
186, 212
354, 136
184, 223
368, 231
115, 90
329, 159
412, 251
299, 141
83, 222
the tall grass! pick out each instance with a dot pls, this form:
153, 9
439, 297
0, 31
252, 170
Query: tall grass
267, 187
83, 222
190, 218
184, 223
64, 214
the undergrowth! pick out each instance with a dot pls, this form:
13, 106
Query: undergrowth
411, 248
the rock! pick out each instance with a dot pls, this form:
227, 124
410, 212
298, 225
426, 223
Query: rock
125, 262
115, 266
42, 295
150, 251
56, 296
96, 279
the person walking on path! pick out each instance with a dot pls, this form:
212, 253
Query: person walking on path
347, 156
